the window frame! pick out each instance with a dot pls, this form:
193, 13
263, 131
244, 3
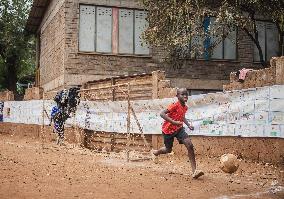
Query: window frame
264, 52
201, 58
112, 27
223, 49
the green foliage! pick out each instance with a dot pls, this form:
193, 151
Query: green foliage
176, 24
16, 46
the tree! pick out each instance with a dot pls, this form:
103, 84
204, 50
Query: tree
275, 11
16, 46
185, 27
246, 13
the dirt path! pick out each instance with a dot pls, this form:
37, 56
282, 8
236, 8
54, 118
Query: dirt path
29, 169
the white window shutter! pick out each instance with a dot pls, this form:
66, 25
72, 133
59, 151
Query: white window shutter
126, 29
87, 28
272, 40
104, 29
230, 46
140, 26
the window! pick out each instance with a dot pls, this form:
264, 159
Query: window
112, 30
225, 49
268, 40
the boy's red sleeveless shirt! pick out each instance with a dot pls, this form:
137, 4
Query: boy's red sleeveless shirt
177, 113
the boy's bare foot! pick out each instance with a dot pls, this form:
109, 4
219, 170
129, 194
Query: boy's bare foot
197, 174
155, 152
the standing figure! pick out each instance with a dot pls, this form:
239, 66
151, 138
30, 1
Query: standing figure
57, 117
67, 101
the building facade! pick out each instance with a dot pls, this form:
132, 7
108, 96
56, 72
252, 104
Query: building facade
85, 40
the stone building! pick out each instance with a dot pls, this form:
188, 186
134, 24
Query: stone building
84, 40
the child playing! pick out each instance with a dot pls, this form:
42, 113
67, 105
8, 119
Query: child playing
174, 117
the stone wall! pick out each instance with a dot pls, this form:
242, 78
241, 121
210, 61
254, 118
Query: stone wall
33, 93
259, 78
6, 96
62, 64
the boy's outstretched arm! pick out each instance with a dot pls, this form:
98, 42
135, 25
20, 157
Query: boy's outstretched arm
163, 114
187, 124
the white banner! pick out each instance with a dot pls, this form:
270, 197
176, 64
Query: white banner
255, 112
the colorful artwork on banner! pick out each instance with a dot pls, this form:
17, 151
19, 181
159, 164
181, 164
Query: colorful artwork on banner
250, 113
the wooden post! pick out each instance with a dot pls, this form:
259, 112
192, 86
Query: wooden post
140, 128
112, 141
42, 124
156, 77
128, 122
113, 89
76, 130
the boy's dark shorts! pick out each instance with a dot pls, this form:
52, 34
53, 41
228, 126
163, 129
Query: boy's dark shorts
169, 138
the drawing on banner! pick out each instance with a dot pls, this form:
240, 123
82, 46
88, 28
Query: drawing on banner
261, 117
252, 113
272, 131
276, 104
276, 92
262, 105
262, 92
249, 94
277, 118
246, 118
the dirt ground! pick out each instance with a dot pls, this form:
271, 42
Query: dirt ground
32, 169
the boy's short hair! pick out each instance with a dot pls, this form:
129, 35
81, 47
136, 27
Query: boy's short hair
179, 90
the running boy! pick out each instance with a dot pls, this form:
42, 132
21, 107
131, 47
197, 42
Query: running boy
174, 117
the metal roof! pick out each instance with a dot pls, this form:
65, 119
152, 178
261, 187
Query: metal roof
36, 14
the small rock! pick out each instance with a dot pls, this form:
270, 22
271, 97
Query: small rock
274, 183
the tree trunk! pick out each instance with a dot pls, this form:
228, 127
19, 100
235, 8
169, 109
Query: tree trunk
12, 73
281, 44
281, 40
260, 53
256, 42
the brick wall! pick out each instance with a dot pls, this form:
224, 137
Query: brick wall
33, 93
259, 78
81, 67
52, 46
6, 96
